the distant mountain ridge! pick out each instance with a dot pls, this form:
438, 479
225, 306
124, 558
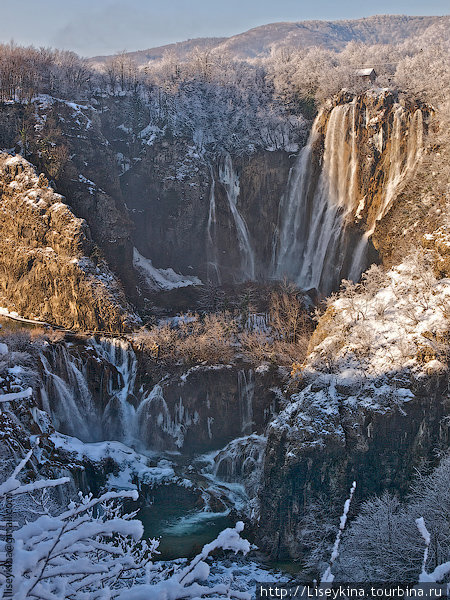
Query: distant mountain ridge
259, 41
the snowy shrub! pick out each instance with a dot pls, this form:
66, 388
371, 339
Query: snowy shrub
383, 543
94, 551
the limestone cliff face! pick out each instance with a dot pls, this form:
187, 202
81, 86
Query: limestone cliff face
64, 140
371, 405
186, 216
312, 458
48, 268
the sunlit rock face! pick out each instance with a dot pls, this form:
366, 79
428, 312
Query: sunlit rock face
48, 264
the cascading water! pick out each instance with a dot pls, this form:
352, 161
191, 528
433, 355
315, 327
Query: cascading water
213, 269
230, 181
241, 461
69, 401
119, 417
401, 161
313, 246
246, 391
314, 208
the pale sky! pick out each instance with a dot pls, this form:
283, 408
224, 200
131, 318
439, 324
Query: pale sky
92, 27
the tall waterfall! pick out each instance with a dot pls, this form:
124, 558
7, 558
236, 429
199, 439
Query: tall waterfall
323, 198
246, 392
213, 269
230, 181
314, 207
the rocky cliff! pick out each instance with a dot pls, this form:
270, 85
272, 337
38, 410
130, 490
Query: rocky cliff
221, 215
372, 404
51, 270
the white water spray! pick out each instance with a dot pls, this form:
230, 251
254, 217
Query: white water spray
321, 200
213, 269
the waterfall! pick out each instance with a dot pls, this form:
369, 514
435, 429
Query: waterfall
241, 461
67, 398
213, 270
230, 181
321, 200
68, 401
246, 392
157, 429
314, 208
401, 161
119, 416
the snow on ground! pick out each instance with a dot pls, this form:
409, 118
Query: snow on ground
132, 466
382, 327
163, 279
374, 344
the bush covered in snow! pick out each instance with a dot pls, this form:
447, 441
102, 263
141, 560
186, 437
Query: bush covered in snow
383, 542
93, 550
392, 321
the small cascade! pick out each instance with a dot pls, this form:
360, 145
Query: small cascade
156, 427
258, 322
67, 398
246, 392
324, 195
119, 416
213, 270
230, 181
241, 461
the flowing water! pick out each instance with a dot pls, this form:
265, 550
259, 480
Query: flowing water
213, 268
314, 208
230, 181
208, 491
323, 197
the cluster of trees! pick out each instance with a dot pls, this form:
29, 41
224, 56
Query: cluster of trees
215, 97
420, 68
26, 72
279, 335
383, 543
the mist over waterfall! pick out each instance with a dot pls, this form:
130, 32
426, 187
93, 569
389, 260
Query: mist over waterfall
321, 239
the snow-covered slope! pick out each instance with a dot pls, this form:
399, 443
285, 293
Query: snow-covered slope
380, 29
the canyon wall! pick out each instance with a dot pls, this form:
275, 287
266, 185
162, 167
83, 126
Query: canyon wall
224, 217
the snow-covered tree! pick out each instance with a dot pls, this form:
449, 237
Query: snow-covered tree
94, 551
